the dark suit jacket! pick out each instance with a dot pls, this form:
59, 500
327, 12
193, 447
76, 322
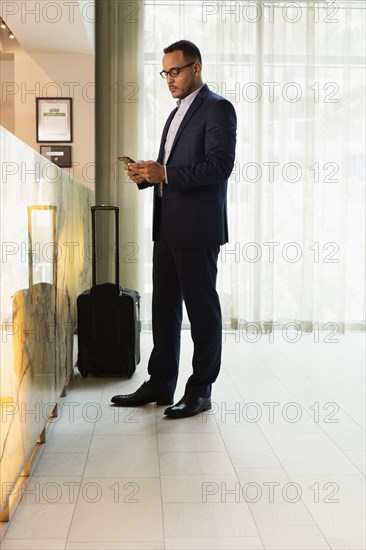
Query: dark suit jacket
193, 212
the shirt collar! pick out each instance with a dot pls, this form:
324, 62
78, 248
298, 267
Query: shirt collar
189, 98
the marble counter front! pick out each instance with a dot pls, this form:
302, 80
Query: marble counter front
45, 264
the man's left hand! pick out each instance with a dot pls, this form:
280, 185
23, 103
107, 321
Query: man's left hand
151, 171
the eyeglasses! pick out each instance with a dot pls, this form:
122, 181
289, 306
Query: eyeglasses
174, 71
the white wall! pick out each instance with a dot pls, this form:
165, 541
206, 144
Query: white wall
50, 75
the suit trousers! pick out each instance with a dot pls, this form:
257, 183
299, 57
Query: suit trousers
187, 274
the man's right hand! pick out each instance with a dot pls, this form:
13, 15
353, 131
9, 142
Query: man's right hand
134, 175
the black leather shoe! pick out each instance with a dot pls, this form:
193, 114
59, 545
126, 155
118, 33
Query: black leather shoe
144, 395
189, 405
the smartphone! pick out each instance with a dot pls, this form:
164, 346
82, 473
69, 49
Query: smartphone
126, 160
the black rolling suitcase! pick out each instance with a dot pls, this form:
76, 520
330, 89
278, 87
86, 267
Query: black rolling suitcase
108, 321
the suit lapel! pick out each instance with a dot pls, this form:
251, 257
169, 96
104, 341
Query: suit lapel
197, 102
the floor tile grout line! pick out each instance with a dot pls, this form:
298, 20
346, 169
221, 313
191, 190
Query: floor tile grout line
286, 472
82, 475
160, 484
237, 477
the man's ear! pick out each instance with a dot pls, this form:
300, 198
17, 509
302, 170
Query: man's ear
197, 68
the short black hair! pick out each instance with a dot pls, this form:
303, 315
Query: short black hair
190, 50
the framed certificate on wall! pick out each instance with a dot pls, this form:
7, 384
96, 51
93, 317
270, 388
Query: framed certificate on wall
54, 119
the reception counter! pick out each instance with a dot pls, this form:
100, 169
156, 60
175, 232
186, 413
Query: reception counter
45, 264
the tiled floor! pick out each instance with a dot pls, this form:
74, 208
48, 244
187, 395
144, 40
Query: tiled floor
278, 463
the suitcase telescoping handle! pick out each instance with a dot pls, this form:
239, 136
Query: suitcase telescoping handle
94, 261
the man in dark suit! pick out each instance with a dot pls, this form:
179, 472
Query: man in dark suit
190, 181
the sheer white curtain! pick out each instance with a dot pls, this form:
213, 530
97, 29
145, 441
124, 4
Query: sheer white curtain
294, 72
